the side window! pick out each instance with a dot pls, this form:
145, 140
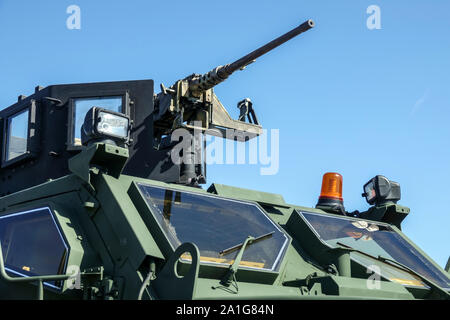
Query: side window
17, 135
32, 244
81, 107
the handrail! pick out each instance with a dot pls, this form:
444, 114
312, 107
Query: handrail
39, 279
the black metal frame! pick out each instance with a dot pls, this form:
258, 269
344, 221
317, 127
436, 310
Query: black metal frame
50, 146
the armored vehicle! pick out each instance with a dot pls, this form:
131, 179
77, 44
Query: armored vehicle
101, 198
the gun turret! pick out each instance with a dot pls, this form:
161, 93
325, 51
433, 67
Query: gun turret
191, 101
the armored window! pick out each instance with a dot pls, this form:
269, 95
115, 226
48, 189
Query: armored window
375, 239
32, 244
82, 105
216, 224
17, 135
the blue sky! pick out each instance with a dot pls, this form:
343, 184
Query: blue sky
345, 98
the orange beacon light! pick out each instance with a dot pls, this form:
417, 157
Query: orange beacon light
330, 198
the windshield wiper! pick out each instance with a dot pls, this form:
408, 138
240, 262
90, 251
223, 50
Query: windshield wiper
424, 279
230, 275
399, 265
250, 241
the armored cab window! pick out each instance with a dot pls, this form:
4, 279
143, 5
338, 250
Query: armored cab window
375, 239
20, 139
32, 244
17, 135
215, 225
82, 105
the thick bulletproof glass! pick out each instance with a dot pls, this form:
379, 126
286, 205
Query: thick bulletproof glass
215, 224
375, 239
82, 106
17, 136
32, 244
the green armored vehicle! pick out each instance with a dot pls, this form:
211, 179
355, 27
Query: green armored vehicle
101, 198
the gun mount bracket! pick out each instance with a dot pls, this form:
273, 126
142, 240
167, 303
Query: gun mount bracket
246, 108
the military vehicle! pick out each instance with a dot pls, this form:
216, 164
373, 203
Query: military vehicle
94, 206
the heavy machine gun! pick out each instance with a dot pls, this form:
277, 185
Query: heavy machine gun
191, 104
192, 99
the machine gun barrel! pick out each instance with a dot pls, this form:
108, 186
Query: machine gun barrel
204, 82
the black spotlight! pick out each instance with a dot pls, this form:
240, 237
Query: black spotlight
380, 190
101, 125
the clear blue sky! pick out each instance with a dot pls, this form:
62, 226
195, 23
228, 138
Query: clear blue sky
347, 99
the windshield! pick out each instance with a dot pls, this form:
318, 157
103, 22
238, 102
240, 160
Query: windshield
215, 224
375, 239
